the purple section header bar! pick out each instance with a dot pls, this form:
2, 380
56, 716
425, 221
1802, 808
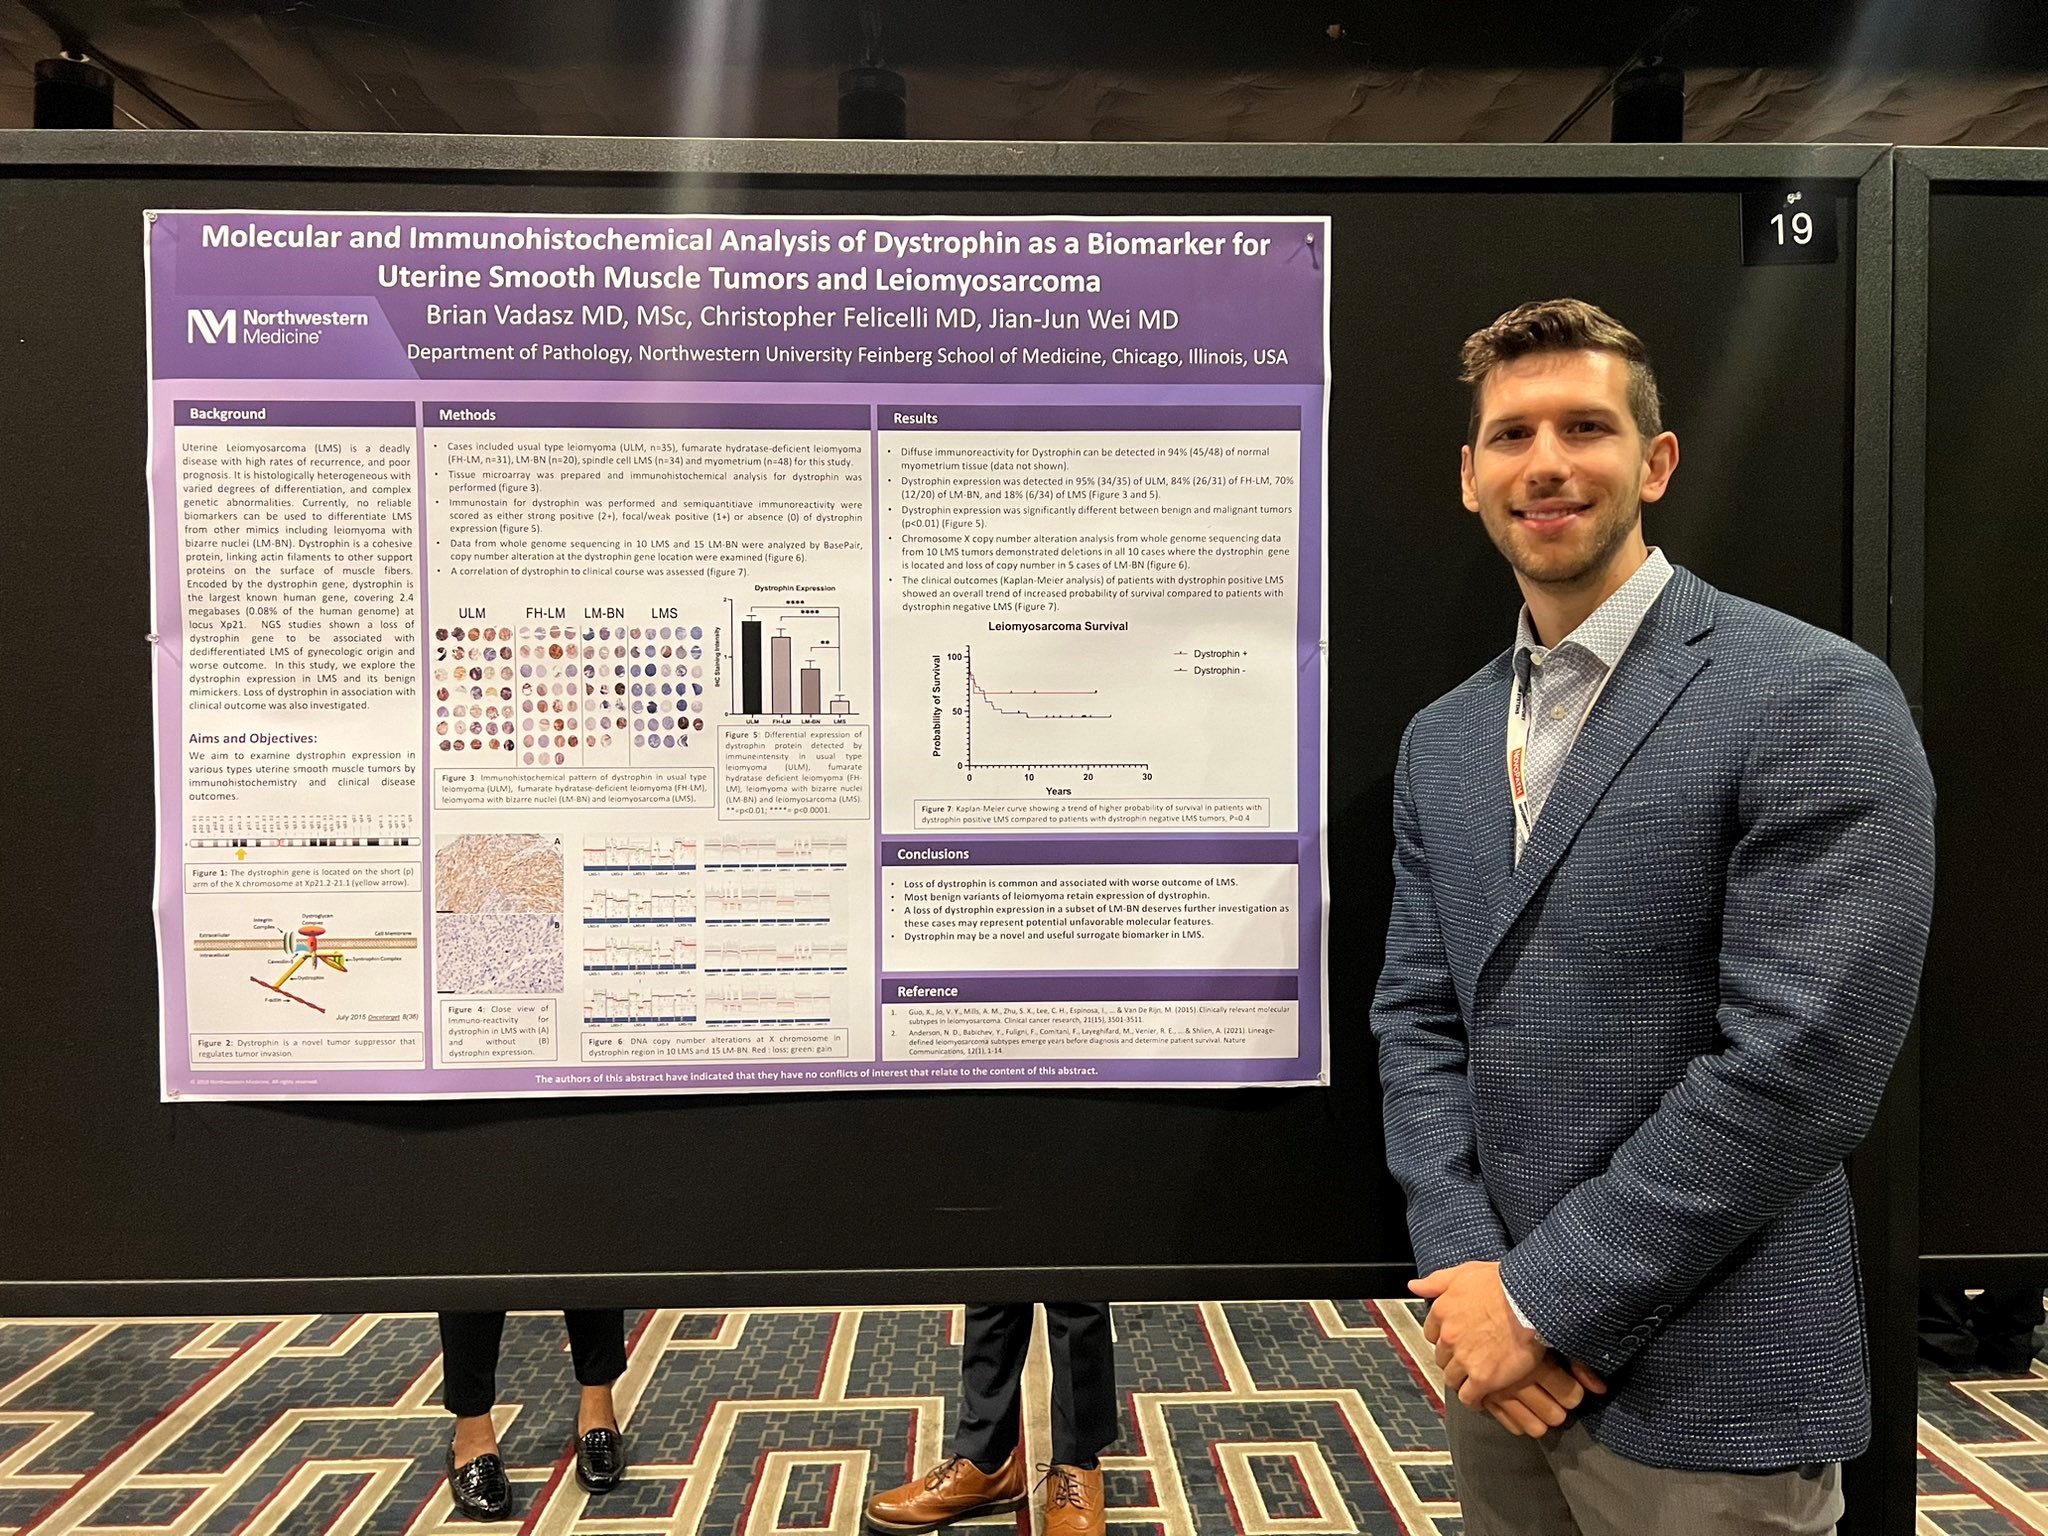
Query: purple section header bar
679, 417
1163, 987
761, 298
295, 413
928, 853
1086, 418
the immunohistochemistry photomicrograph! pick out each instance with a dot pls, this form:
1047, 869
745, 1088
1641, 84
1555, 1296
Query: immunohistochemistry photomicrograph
498, 914
497, 952
499, 872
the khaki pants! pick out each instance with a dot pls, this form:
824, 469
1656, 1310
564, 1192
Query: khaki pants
1565, 1484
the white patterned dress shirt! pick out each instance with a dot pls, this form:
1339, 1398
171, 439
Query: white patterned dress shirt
1556, 687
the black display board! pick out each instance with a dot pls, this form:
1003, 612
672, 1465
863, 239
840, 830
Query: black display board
115, 1201
1779, 384
1973, 582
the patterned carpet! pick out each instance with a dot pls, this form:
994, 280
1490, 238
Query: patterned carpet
1263, 1418
1984, 1452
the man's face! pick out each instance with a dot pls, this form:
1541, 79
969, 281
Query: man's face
1559, 472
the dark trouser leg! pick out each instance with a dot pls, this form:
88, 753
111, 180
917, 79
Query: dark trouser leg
2004, 1320
1084, 1406
1506, 1484
991, 1376
469, 1361
2006, 1311
1945, 1334
597, 1343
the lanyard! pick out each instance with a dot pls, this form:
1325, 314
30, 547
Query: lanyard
1519, 706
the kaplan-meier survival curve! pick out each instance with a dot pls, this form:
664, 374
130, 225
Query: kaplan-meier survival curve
1109, 728
1000, 708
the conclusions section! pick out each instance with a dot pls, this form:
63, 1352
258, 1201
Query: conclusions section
1047, 949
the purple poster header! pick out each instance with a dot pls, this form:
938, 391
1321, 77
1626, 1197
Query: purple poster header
790, 298
1096, 850
295, 413
658, 415
1090, 418
1160, 986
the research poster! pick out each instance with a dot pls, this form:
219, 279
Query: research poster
696, 653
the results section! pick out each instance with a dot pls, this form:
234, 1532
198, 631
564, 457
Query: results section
1092, 627
1091, 615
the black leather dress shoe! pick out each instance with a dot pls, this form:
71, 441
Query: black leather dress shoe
481, 1489
600, 1460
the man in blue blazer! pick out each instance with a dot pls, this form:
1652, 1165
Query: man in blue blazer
1662, 880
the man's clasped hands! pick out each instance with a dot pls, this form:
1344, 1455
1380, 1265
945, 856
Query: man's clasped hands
1490, 1359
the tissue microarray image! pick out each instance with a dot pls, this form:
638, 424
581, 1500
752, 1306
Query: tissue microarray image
499, 872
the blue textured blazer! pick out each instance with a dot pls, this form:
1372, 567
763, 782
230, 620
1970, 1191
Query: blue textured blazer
1630, 1067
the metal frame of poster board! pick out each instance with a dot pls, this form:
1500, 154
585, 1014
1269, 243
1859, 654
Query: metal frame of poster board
1885, 1172
1921, 177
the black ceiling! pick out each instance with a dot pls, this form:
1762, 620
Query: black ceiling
1203, 34
1787, 71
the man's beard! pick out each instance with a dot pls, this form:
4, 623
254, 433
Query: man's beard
1563, 569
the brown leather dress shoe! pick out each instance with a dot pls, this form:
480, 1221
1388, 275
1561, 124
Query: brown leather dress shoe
1073, 1502
953, 1490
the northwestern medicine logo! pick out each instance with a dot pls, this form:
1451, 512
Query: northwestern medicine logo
210, 326
267, 327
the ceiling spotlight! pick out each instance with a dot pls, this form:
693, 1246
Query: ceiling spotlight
874, 103
1649, 105
73, 92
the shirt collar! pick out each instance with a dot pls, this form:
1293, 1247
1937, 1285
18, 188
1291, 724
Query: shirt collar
1608, 629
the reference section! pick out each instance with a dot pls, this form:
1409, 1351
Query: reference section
626, 654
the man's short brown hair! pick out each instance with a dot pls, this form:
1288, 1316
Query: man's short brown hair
1561, 325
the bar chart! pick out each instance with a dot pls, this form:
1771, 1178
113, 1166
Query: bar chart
790, 662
